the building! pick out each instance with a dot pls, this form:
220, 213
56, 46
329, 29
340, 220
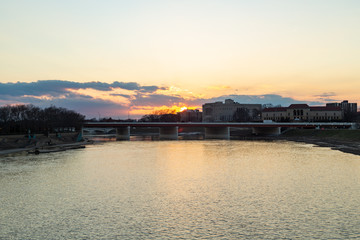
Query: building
190, 116
345, 106
303, 112
230, 111
357, 119
349, 109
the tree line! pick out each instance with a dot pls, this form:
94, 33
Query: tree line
29, 118
160, 118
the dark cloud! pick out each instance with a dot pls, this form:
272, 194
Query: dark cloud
329, 100
328, 97
59, 87
260, 99
127, 86
328, 94
29, 93
144, 96
83, 104
120, 95
151, 89
156, 100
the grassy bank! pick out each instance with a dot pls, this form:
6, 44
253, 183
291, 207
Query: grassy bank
20, 144
40, 140
343, 140
331, 134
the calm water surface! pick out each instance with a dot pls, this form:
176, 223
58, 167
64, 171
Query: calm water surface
182, 190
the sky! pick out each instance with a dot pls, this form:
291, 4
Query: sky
128, 58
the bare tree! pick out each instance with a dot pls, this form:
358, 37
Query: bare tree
24, 118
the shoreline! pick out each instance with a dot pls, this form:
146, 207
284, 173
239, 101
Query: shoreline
346, 147
18, 144
347, 142
343, 146
45, 149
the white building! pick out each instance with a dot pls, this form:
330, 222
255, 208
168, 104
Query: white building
303, 112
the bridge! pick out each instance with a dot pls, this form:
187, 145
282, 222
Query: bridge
213, 130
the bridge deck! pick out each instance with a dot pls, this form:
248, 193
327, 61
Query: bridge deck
217, 124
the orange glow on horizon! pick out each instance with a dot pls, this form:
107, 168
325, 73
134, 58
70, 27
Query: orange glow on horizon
144, 110
171, 110
183, 109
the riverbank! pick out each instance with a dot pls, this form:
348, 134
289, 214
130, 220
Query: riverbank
10, 144
343, 140
337, 139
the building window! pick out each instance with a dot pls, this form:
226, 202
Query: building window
208, 111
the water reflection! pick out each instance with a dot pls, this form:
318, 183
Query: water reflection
182, 189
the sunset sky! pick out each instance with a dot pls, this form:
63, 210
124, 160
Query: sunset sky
114, 58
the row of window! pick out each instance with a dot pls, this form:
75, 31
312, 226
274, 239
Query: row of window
298, 112
307, 114
301, 118
225, 118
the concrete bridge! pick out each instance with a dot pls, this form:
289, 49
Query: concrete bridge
213, 130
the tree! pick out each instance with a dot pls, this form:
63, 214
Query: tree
150, 118
160, 118
169, 118
22, 118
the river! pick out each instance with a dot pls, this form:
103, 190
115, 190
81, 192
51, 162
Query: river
182, 190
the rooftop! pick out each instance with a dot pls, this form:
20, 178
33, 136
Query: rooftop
275, 109
298, 106
321, 108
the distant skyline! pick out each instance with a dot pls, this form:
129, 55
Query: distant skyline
149, 54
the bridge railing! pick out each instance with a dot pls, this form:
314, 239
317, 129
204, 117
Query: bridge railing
218, 130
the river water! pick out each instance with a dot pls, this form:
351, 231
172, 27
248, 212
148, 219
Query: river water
182, 190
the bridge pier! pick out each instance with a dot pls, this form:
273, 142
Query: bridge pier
217, 133
80, 136
123, 133
168, 133
269, 131
353, 126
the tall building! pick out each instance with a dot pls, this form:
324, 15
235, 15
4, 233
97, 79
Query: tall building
303, 112
349, 109
230, 111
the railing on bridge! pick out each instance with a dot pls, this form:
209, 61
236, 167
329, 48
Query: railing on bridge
217, 130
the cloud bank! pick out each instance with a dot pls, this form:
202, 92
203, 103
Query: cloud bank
59, 87
117, 99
